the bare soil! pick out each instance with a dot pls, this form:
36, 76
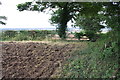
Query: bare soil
33, 59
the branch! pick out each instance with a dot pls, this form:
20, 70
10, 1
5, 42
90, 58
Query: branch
2, 23
3, 17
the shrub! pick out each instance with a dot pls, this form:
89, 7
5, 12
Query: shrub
91, 35
21, 37
92, 62
27, 34
37, 34
79, 35
9, 33
98, 60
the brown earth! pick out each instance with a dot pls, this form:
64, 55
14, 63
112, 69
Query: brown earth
33, 59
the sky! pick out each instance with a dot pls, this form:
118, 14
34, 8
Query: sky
24, 19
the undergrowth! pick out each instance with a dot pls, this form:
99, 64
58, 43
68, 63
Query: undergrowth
98, 60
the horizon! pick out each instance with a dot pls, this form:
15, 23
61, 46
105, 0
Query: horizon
104, 30
18, 29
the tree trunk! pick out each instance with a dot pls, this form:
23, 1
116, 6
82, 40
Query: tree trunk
62, 30
64, 18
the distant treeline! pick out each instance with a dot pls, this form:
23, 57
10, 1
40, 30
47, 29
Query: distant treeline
20, 35
27, 34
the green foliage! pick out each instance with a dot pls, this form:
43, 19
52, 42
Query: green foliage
36, 34
88, 16
112, 14
91, 35
98, 60
24, 6
8, 34
110, 44
65, 12
88, 66
99, 14
2, 17
27, 35
25, 32
79, 35
21, 37
91, 23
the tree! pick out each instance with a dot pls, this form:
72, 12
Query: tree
65, 12
105, 13
90, 18
112, 13
90, 23
102, 12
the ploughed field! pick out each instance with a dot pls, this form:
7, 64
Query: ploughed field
34, 59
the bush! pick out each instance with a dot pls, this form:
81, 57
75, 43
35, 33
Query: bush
9, 33
79, 35
91, 35
39, 34
21, 37
98, 60
93, 62
27, 34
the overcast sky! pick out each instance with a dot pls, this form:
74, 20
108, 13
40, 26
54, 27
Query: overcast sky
24, 19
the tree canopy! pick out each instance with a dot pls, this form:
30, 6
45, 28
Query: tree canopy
64, 13
87, 15
108, 14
